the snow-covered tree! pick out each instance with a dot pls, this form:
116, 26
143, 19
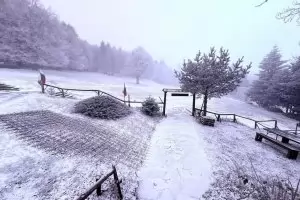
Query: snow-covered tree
294, 87
139, 62
261, 91
211, 75
31, 35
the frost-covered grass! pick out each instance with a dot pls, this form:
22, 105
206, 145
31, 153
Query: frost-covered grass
230, 143
45, 155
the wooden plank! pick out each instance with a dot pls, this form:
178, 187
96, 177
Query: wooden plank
284, 145
179, 94
93, 188
284, 134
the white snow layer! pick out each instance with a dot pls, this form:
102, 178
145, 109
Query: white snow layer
176, 166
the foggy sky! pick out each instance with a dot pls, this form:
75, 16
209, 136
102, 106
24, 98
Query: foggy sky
176, 29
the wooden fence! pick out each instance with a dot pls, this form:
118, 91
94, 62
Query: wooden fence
99, 183
64, 93
257, 123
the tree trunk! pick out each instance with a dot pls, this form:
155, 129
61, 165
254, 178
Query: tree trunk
205, 103
137, 80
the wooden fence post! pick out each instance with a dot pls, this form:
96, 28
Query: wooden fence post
43, 88
276, 124
255, 125
234, 118
165, 102
98, 190
63, 93
194, 105
117, 182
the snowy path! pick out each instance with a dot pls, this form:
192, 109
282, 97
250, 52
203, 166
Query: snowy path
176, 166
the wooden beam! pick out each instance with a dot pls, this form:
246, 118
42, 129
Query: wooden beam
180, 94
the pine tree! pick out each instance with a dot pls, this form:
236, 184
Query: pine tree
211, 75
261, 91
294, 87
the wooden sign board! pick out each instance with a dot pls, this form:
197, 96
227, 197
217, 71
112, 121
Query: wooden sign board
180, 94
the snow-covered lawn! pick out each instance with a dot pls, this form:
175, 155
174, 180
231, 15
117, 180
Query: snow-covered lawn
184, 157
230, 146
56, 154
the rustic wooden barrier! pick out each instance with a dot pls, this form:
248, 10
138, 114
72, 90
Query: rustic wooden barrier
63, 93
98, 184
257, 124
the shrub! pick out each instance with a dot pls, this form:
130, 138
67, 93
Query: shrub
150, 107
102, 107
275, 109
5, 87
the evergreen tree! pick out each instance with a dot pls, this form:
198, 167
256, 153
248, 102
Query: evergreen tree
294, 87
31, 35
211, 75
261, 91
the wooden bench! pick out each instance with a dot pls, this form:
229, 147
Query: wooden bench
292, 151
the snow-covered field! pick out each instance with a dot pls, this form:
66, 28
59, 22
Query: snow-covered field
182, 160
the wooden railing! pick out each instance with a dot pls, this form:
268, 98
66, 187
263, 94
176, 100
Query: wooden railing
99, 183
257, 123
63, 93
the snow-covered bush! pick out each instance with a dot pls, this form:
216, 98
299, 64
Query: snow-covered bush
243, 183
102, 107
150, 107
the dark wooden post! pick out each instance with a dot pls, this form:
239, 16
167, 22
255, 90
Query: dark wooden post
194, 104
42, 81
205, 103
276, 124
43, 88
117, 182
234, 118
165, 102
255, 126
129, 100
219, 118
98, 92
98, 190
62, 92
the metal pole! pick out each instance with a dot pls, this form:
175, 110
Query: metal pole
165, 102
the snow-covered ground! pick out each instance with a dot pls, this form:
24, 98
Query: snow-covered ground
184, 157
177, 166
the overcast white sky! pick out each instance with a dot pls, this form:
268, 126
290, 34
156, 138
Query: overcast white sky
176, 29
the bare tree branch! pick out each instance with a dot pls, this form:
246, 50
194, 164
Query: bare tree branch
288, 14
262, 3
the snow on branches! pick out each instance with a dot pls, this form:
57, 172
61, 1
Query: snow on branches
211, 74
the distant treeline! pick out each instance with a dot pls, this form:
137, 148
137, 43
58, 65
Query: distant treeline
33, 37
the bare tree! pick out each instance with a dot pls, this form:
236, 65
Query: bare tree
287, 14
290, 13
